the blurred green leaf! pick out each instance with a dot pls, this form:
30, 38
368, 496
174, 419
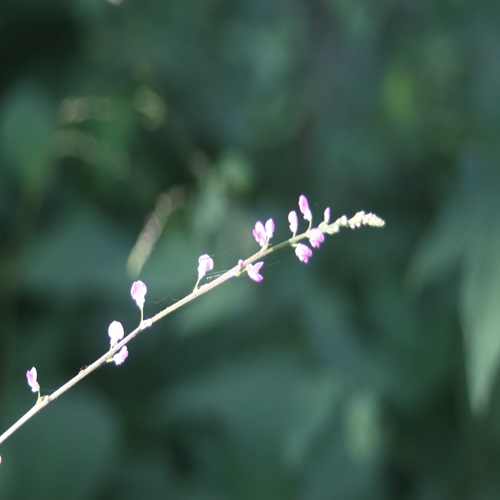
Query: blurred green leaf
480, 299
146, 476
27, 129
83, 253
263, 399
467, 233
399, 96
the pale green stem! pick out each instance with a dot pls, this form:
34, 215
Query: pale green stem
359, 219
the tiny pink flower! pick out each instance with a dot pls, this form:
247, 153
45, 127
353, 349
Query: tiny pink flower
327, 215
138, 292
253, 271
241, 264
120, 356
304, 208
259, 233
316, 237
303, 252
115, 332
205, 264
0, 459
32, 375
293, 221
269, 229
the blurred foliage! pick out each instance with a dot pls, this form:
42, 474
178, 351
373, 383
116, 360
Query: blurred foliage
135, 136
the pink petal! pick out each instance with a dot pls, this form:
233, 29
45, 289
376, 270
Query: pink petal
259, 233
138, 293
121, 355
115, 332
32, 375
303, 252
316, 237
253, 271
293, 221
304, 208
269, 229
205, 264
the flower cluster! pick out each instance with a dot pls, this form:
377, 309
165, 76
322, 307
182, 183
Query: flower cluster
263, 234
116, 332
315, 235
115, 329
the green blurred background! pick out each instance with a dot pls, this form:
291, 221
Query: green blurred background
136, 136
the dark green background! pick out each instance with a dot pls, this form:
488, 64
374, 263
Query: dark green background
370, 373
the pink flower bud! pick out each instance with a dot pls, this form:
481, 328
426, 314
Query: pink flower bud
205, 264
259, 233
138, 292
304, 208
293, 221
303, 252
253, 271
269, 229
32, 375
316, 237
121, 355
115, 332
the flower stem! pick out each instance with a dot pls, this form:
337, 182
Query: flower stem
358, 220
